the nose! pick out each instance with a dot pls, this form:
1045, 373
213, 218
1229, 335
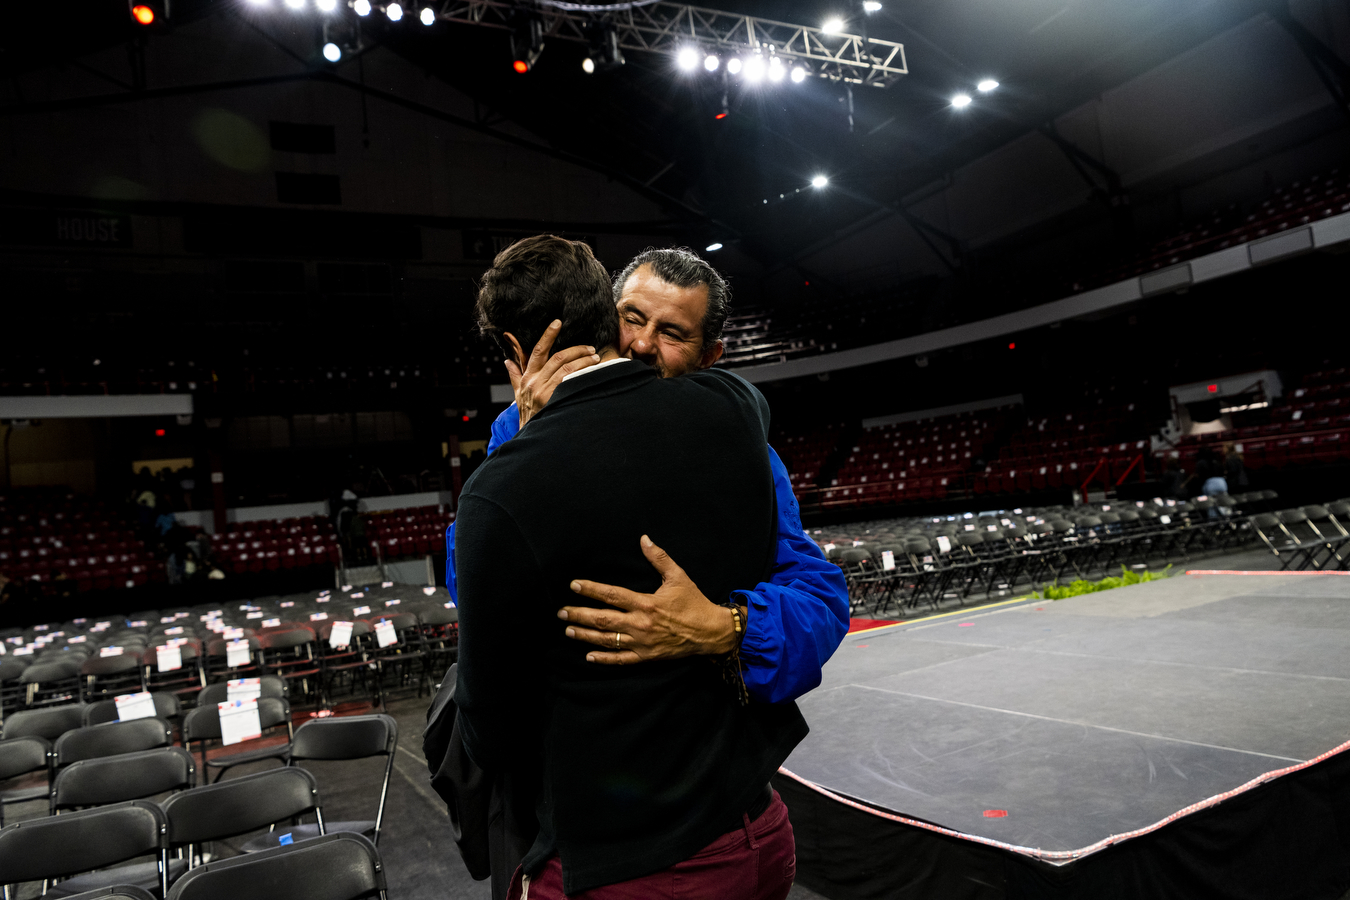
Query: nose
643, 346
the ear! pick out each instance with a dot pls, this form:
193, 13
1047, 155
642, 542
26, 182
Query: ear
516, 351
711, 355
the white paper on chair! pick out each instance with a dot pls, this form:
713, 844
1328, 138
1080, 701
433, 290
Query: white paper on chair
239, 721
177, 630
1166, 520
361, 611
887, 560
271, 623
110, 651
387, 584
428, 591
358, 595
388, 603
243, 689
944, 543
233, 634
287, 604
135, 706
385, 634
236, 653
341, 635
318, 617
256, 614
169, 658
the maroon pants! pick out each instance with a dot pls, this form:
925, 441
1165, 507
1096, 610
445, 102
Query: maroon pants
755, 862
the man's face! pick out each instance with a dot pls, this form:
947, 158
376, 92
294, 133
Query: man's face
662, 325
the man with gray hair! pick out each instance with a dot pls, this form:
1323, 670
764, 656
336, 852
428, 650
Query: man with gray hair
672, 307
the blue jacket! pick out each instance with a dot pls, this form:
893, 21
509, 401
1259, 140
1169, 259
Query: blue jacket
795, 621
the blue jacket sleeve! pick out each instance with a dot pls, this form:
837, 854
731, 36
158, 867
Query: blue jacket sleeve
799, 617
504, 427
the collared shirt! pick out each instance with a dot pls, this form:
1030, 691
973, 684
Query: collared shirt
595, 368
795, 621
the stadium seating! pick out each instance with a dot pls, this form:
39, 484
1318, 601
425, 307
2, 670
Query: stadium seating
48, 534
272, 544
408, 532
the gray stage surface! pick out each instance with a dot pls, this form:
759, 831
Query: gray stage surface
1086, 717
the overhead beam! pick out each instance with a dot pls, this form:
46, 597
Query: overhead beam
666, 27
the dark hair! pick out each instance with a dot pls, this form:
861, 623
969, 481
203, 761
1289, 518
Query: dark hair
542, 278
684, 268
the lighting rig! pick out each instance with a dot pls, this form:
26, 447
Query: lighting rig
749, 49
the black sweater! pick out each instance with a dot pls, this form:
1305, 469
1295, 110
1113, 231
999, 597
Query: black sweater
642, 765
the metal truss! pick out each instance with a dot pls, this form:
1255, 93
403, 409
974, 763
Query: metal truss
667, 27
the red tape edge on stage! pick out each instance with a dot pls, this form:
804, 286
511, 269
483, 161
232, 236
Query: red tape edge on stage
996, 814
1067, 854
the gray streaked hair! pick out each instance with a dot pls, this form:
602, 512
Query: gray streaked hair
684, 268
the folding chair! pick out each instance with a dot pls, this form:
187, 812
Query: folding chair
402, 656
187, 680
341, 866
1329, 529
353, 660
103, 677
289, 655
49, 723
127, 776
166, 708
347, 737
60, 846
1311, 543
269, 685
116, 892
203, 724
215, 812
1280, 542
111, 739
24, 756
11, 689
51, 683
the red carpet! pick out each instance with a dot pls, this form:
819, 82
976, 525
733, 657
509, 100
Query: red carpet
867, 624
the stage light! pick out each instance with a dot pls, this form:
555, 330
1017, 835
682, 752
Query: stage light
711, 62
734, 65
159, 432
143, 14
527, 41
713, 247
687, 58
1012, 346
296, 4
798, 74
588, 66
832, 26
332, 52
961, 101
427, 16
776, 70
754, 68
819, 181
394, 12
326, 5
871, 6
361, 7
521, 66
722, 114
987, 85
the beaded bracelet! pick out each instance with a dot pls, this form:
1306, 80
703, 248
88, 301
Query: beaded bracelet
731, 662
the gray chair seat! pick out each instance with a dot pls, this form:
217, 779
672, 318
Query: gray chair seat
304, 833
142, 875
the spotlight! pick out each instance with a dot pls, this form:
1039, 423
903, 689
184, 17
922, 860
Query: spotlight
394, 12
602, 49
332, 52
776, 70
871, 6
427, 16
961, 101
521, 66
987, 85
296, 4
734, 65
832, 26
711, 62
361, 7
798, 74
819, 181
713, 247
754, 68
143, 15
326, 5
687, 58
588, 66
527, 42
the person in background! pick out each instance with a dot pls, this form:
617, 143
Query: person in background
1235, 471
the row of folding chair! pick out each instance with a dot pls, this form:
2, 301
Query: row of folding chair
108, 764
1310, 537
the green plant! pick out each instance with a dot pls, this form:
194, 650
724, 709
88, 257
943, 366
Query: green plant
1075, 588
